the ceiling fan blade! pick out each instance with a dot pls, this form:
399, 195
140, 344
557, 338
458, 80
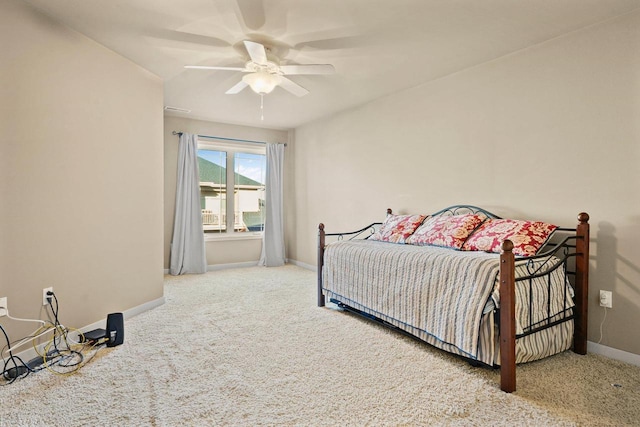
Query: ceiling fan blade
188, 38
308, 69
207, 67
257, 53
332, 43
237, 88
292, 87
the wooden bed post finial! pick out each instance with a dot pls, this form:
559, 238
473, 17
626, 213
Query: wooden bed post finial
507, 246
507, 318
583, 217
582, 284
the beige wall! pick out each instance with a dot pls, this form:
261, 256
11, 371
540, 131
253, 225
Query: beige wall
81, 174
218, 252
543, 134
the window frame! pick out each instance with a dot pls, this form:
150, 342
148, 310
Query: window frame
231, 148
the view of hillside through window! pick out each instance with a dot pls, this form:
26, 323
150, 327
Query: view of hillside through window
247, 184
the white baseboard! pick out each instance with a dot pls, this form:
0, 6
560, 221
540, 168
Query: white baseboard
613, 353
127, 314
139, 309
31, 353
302, 264
215, 267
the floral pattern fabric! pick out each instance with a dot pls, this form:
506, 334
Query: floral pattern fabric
447, 231
396, 228
527, 236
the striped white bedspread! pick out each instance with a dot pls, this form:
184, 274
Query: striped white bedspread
439, 291
446, 297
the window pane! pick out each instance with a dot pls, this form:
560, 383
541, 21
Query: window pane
213, 190
249, 195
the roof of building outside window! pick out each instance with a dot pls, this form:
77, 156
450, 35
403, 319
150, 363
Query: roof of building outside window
211, 172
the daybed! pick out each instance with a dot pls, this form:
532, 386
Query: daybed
495, 291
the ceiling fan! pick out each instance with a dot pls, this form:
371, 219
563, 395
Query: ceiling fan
265, 72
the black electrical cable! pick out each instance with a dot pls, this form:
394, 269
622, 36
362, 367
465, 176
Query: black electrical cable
28, 366
72, 354
62, 333
12, 358
56, 323
59, 332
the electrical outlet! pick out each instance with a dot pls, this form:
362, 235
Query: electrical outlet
3, 304
45, 297
606, 298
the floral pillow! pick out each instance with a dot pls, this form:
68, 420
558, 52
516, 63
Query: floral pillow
527, 236
396, 228
448, 231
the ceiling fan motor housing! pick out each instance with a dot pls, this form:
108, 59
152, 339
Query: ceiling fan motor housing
270, 67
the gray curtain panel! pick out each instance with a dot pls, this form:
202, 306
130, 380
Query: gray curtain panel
187, 245
273, 254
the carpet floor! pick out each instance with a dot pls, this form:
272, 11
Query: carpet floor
248, 347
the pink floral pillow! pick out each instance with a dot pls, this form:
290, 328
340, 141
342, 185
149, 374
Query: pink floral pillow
396, 228
448, 231
527, 236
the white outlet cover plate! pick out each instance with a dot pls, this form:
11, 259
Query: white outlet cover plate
606, 299
44, 295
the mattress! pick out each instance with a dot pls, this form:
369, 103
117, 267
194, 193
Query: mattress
447, 297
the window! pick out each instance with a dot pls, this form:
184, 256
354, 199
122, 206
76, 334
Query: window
232, 169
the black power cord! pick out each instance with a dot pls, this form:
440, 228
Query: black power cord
61, 333
19, 368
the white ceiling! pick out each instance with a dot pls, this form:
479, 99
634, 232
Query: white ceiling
377, 46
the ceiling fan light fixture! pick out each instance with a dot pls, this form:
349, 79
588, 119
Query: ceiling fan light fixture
262, 82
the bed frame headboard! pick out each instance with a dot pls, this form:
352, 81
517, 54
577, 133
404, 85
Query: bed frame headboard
464, 209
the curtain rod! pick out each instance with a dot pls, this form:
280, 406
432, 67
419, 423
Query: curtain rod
227, 139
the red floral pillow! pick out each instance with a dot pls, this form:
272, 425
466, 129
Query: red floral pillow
396, 228
527, 236
448, 231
